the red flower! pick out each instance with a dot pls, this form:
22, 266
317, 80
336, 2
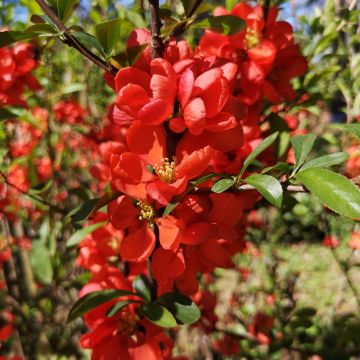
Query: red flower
144, 96
330, 241
130, 173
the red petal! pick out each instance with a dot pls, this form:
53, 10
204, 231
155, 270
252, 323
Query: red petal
198, 233
227, 209
229, 70
131, 75
138, 245
163, 192
166, 264
177, 125
194, 163
215, 97
155, 112
170, 230
205, 80
147, 141
133, 96
227, 140
264, 53
122, 213
221, 122
163, 88
194, 116
193, 208
214, 255
186, 84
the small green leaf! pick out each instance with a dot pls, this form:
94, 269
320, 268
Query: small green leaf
65, 8
118, 307
224, 24
10, 37
302, 145
187, 5
268, 186
158, 315
134, 52
258, 150
88, 41
169, 208
353, 128
41, 262
84, 211
334, 190
183, 309
94, 299
326, 160
108, 33
142, 287
41, 29
6, 114
223, 185
282, 167
80, 234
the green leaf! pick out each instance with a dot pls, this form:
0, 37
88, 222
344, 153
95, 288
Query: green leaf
268, 186
302, 145
258, 150
224, 24
187, 5
118, 307
183, 309
94, 299
88, 41
84, 211
10, 37
334, 190
108, 33
41, 262
65, 8
353, 128
80, 234
134, 52
326, 160
169, 208
158, 315
282, 167
41, 29
142, 287
223, 185
6, 114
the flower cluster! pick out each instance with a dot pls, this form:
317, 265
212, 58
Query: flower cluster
183, 119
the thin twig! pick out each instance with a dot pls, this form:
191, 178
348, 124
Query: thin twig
45, 202
345, 272
73, 42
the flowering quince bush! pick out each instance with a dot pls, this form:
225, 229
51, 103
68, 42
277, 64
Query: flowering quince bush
203, 123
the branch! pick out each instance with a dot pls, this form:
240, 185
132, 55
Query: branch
156, 44
45, 202
73, 42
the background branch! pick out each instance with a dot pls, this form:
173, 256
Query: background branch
72, 42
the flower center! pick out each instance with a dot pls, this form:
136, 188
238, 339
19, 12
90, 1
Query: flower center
146, 211
252, 38
166, 171
127, 323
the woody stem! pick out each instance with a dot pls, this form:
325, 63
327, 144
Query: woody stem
157, 46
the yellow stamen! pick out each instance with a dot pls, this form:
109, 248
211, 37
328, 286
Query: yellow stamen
127, 323
252, 38
166, 171
146, 211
